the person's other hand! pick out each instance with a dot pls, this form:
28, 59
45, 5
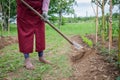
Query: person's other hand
45, 15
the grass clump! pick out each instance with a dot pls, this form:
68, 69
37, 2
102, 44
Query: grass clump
87, 41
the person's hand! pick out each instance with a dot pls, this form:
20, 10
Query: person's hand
45, 15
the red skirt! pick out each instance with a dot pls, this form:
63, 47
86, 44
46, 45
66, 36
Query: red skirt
30, 25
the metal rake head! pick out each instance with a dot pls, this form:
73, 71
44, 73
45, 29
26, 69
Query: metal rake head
77, 46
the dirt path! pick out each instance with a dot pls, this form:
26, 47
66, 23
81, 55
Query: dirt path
5, 41
92, 66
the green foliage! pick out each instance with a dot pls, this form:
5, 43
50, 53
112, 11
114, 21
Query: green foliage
118, 78
87, 41
63, 21
66, 6
13, 30
13, 8
115, 28
8, 8
7, 5
61, 6
53, 19
115, 16
114, 2
0, 29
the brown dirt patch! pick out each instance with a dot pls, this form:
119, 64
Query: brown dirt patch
89, 65
5, 41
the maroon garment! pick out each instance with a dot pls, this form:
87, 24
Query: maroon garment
30, 25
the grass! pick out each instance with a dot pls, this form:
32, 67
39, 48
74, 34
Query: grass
79, 28
13, 31
87, 41
57, 51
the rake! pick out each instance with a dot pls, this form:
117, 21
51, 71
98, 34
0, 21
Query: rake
73, 43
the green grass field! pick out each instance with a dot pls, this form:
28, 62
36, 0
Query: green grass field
57, 48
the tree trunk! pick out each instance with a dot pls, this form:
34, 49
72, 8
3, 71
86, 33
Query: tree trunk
96, 14
4, 17
110, 26
97, 22
107, 24
9, 18
103, 23
5, 22
119, 41
60, 18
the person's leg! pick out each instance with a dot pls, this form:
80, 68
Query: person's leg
28, 63
42, 59
40, 37
40, 41
25, 38
40, 54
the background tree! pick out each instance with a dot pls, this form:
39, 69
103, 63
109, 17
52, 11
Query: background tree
119, 39
101, 4
61, 6
96, 13
6, 12
117, 2
110, 26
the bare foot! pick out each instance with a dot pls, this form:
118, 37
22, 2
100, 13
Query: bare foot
43, 60
28, 64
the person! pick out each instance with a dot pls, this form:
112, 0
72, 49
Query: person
30, 26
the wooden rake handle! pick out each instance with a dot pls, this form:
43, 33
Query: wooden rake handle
51, 25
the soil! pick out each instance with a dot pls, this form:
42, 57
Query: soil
5, 41
90, 65
87, 64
